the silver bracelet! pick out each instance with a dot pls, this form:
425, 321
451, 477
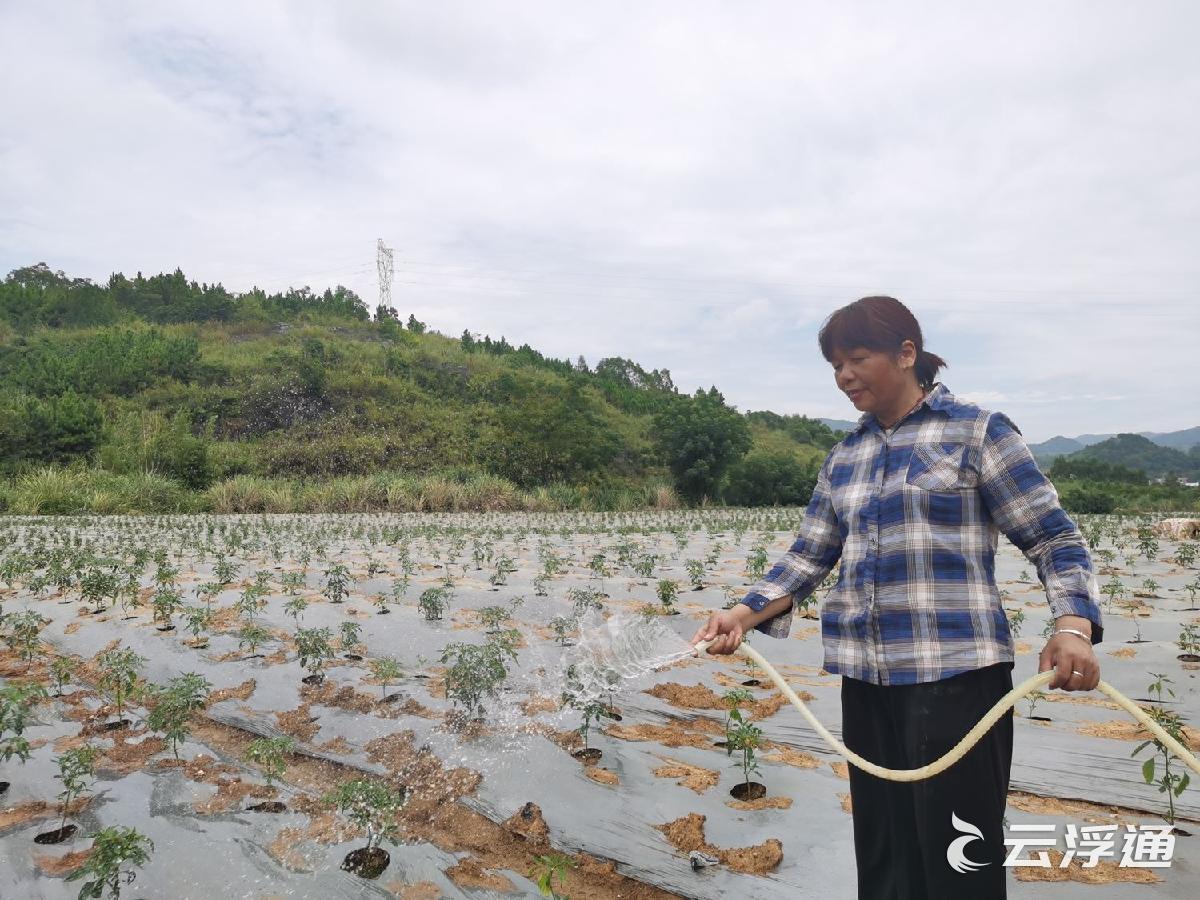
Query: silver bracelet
1075, 631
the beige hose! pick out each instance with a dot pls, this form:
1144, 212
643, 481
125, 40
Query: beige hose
972, 737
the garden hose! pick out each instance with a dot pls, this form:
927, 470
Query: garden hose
972, 737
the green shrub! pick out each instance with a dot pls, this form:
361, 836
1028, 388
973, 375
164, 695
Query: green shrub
1086, 498
769, 478
47, 430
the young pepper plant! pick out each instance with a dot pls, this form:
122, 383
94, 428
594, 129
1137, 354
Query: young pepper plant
370, 805
270, 754
1170, 783
313, 648
119, 670
16, 702
175, 703
113, 849
74, 767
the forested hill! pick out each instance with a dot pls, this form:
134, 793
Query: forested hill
1143, 455
189, 385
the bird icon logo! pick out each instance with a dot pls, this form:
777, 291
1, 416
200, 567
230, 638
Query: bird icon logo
956, 852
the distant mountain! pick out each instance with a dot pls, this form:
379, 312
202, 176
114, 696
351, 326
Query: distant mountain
1046, 451
1056, 446
840, 424
1181, 440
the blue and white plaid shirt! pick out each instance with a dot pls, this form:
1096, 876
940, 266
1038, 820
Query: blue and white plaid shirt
914, 514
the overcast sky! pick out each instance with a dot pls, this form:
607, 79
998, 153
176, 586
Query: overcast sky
692, 185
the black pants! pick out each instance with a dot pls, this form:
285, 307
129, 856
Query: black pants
902, 830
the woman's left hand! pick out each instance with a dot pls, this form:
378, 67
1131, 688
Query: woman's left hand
1068, 654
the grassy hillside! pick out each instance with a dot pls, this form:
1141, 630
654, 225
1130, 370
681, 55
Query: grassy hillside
157, 393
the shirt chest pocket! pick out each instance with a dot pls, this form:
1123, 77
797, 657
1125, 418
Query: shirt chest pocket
942, 467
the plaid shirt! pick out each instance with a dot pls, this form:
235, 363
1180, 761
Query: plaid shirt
914, 515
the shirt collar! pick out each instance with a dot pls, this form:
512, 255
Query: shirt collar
938, 398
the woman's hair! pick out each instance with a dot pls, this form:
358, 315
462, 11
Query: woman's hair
883, 324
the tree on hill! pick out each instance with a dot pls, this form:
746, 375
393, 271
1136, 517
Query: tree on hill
1068, 468
700, 438
769, 478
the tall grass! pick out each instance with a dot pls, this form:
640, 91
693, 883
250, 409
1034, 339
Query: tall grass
50, 490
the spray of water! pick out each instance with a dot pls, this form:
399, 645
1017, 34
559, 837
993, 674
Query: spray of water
614, 654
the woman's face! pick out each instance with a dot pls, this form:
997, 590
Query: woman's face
873, 380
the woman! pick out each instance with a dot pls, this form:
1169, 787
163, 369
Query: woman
911, 502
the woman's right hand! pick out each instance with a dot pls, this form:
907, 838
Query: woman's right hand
725, 628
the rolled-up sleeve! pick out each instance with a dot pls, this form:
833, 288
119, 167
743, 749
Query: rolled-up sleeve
1024, 505
815, 551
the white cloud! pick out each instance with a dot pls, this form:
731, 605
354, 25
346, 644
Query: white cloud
695, 186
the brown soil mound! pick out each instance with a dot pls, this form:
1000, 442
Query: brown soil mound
761, 803
70, 742
1105, 871
1123, 653
297, 722
677, 733
1094, 813
1078, 699
538, 704
60, 866
846, 803
603, 776
528, 824
697, 696
468, 873
241, 692
412, 707
24, 813
230, 794
125, 756
337, 745
841, 769
789, 756
422, 890
694, 778
1129, 730
687, 834
343, 697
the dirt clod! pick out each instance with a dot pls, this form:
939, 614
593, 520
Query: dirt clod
687, 834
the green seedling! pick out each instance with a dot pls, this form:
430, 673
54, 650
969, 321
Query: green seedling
270, 755
386, 671
295, 608
119, 671
432, 603
1170, 783
74, 768
313, 647
113, 849
475, 672
61, 670
252, 636
17, 701
337, 583
371, 806
174, 705
668, 592
549, 869
351, 636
